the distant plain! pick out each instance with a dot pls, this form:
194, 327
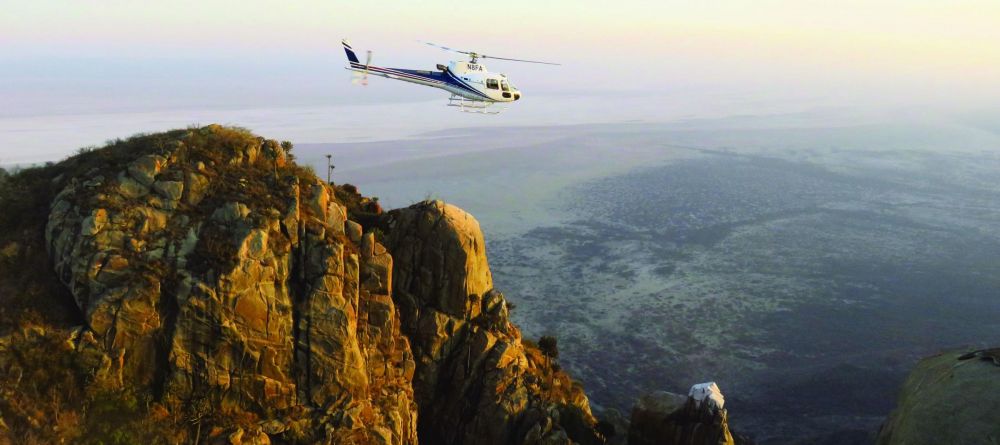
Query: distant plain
803, 262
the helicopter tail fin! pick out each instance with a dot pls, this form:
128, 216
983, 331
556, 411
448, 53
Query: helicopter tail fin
350, 52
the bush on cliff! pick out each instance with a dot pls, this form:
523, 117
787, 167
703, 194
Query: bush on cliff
30, 291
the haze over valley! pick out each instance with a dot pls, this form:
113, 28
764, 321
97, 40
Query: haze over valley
805, 267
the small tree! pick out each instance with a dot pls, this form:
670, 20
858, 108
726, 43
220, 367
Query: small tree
549, 347
288, 146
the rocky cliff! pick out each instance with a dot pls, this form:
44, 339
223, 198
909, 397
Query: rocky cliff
949, 398
197, 286
700, 418
476, 381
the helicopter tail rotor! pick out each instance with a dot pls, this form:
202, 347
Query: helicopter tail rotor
361, 77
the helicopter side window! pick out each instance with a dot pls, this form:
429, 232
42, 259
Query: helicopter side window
503, 84
492, 84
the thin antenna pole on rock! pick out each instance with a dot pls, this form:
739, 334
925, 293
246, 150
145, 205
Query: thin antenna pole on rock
329, 167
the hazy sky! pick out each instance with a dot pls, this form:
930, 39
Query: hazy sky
104, 56
178, 51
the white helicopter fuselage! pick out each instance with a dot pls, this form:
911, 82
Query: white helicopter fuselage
494, 85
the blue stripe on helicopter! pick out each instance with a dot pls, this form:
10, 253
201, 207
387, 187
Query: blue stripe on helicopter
416, 75
426, 76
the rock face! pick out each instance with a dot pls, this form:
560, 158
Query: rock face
231, 289
947, 401
475, 381
229, 284
664, 418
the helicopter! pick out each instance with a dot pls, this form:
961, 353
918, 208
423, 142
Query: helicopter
473, 88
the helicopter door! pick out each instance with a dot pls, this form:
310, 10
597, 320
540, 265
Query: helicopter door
492, 84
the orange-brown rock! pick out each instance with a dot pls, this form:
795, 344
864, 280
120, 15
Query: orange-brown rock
225, 296
475, 380
217, 277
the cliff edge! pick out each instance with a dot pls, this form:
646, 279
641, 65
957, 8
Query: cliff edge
949, 398
197, 286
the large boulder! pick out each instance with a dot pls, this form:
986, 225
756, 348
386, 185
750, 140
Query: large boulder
663, 418
476, 381
948, 401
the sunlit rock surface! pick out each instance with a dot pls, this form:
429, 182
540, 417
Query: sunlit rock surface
245, 301
708, 394
460, 331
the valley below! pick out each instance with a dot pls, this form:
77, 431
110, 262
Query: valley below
803, 265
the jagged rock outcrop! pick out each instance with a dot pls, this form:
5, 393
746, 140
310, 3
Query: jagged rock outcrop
217, 276
475, 381
227, 295
946, 400
700, 418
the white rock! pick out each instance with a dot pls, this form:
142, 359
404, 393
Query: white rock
709, 393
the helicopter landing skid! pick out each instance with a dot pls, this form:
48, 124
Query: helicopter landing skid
466, 105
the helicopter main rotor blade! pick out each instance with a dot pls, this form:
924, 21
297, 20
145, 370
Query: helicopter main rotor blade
475, 55
519, 60
444, 47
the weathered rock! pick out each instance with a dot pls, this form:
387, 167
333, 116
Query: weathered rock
707, 394
353, 231
130, 188
195, 186
946, 401
254, 304
145, 169
663, 418
474, 380
172, 191
445, 257
216, 279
